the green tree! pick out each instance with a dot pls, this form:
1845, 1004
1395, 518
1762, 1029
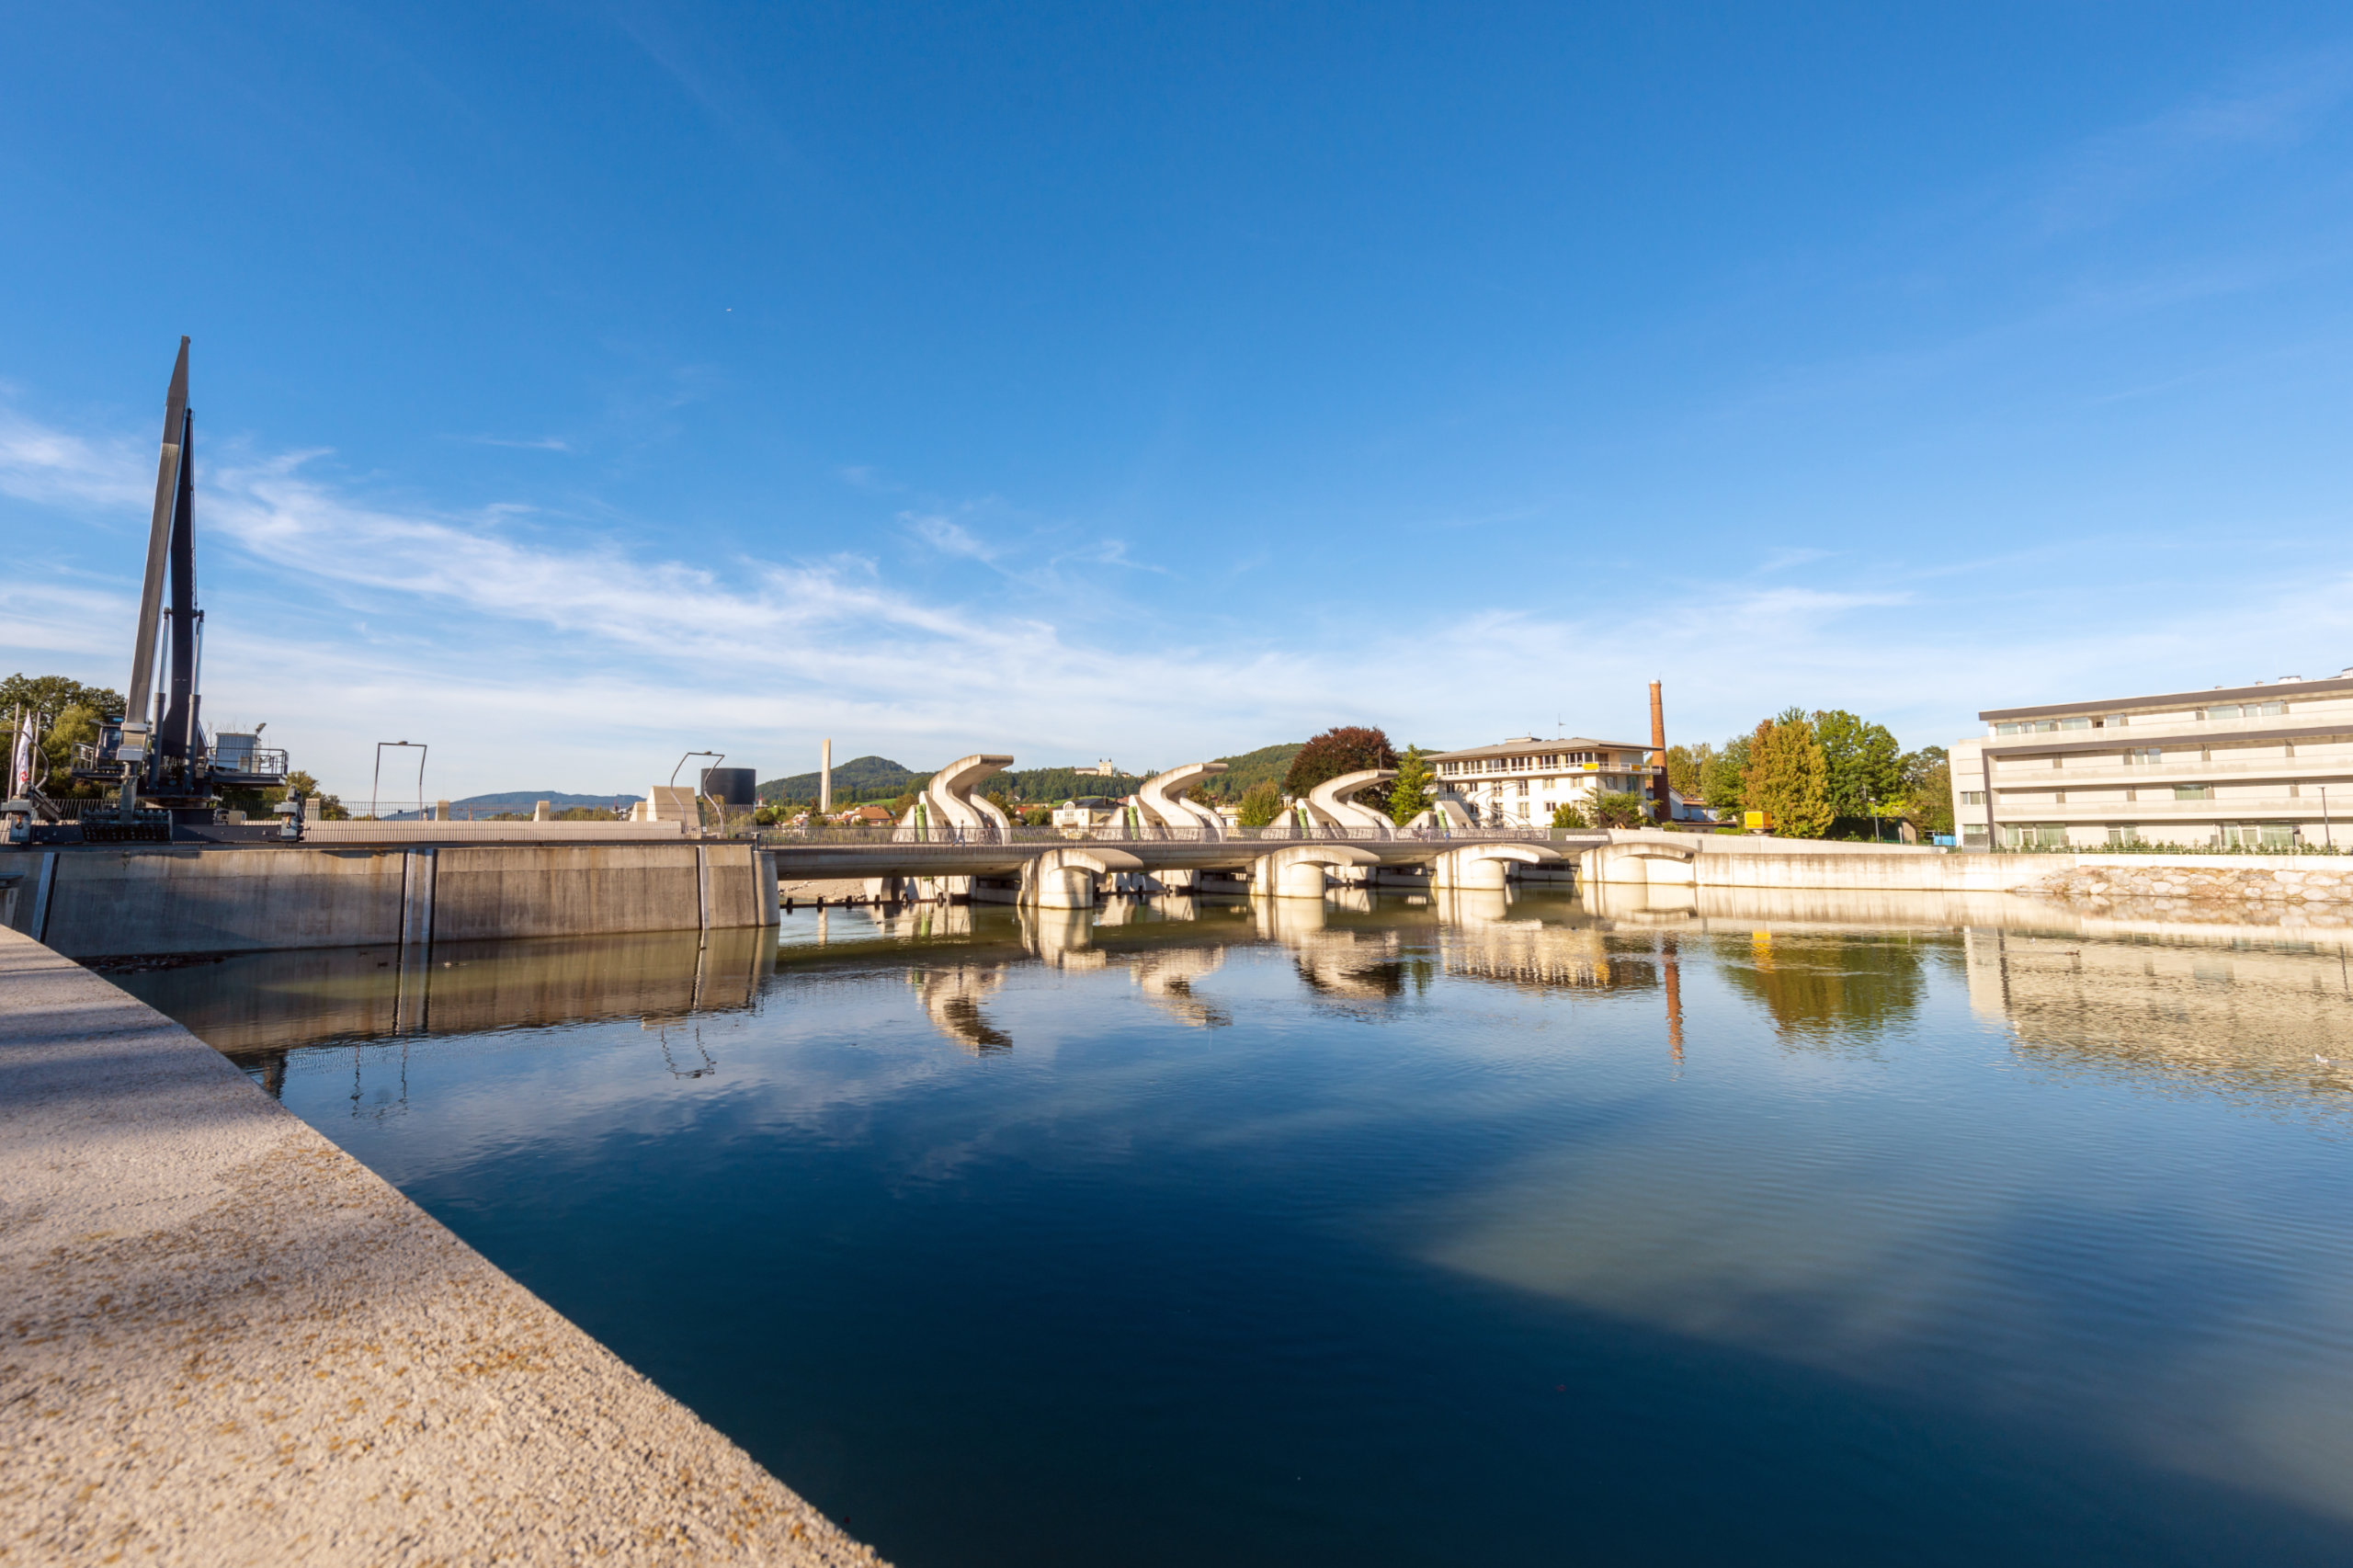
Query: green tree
1347, 748
1409, 796
77, 725
1787, 777
1863, 764
53, 695
1724, 777
1261, 803
1569, 814
1622, 808
1687, 770
1927, 789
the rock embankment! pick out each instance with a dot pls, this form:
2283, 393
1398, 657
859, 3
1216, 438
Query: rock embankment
2316, 890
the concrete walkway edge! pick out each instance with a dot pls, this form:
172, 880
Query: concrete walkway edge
225, 1341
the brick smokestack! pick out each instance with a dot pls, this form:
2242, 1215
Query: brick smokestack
1658, 751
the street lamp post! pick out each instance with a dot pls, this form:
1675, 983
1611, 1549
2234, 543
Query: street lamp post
375, 784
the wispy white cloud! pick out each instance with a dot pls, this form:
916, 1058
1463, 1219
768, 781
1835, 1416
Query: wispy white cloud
54, 468
2119, 170
533, 655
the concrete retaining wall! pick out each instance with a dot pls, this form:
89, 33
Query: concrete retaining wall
1762, 865
157, 899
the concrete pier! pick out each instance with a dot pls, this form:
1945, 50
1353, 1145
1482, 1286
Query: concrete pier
226, 1342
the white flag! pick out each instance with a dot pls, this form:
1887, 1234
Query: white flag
20, 766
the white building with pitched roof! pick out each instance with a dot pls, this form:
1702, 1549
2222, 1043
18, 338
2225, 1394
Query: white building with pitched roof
1519, 782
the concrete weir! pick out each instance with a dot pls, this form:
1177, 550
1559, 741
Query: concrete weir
227, 1342
89, 901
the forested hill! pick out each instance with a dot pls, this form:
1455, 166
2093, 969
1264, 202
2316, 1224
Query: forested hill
1051, 785
860, 779
880, 778
1268, 764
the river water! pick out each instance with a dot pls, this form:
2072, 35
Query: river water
1508, 1230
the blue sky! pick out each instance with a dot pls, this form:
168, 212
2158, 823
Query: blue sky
578, 385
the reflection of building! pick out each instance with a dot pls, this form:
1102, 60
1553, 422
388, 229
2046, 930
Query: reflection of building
2256, 765
2222, 1013
1478, 944
1519, 782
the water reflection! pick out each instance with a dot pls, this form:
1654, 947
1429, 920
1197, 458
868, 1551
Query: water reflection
1424, 1187
256, 1006
951, 996
1820, 989
2214, 1005
2273, 1017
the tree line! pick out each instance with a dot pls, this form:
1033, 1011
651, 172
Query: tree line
1828, 774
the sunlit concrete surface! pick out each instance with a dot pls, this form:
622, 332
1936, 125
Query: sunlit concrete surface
223, 1341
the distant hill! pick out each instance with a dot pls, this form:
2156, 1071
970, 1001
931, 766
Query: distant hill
1267, 763
1052, 785
860, 779
515, 800
880, 778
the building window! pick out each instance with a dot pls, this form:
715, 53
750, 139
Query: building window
1973, 836
2034, 835
2074, 723
2123, 833
1973, 797
2143, 756
2193, 792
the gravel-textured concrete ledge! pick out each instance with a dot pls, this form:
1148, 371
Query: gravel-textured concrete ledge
225, 1341
2300, 890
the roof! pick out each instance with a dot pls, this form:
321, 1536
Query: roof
2277, 691
1531, 744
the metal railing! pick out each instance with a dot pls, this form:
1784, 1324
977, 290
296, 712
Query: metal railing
263, 762
1120, 832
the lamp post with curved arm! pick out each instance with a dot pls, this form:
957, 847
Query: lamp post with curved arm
418, 748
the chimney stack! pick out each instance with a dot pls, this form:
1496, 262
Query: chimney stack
826, 777
1658, 750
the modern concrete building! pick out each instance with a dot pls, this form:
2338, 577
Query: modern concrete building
2260, 765
1518, 783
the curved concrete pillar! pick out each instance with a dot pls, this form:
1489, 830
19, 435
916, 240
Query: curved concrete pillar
1451, 809
1163, 799
1296, 870
1328, 802
1483, 865
949, 796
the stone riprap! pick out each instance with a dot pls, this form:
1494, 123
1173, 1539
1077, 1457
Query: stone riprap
2306, 890
226, 1342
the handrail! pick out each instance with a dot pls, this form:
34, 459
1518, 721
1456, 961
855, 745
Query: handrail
945, 835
